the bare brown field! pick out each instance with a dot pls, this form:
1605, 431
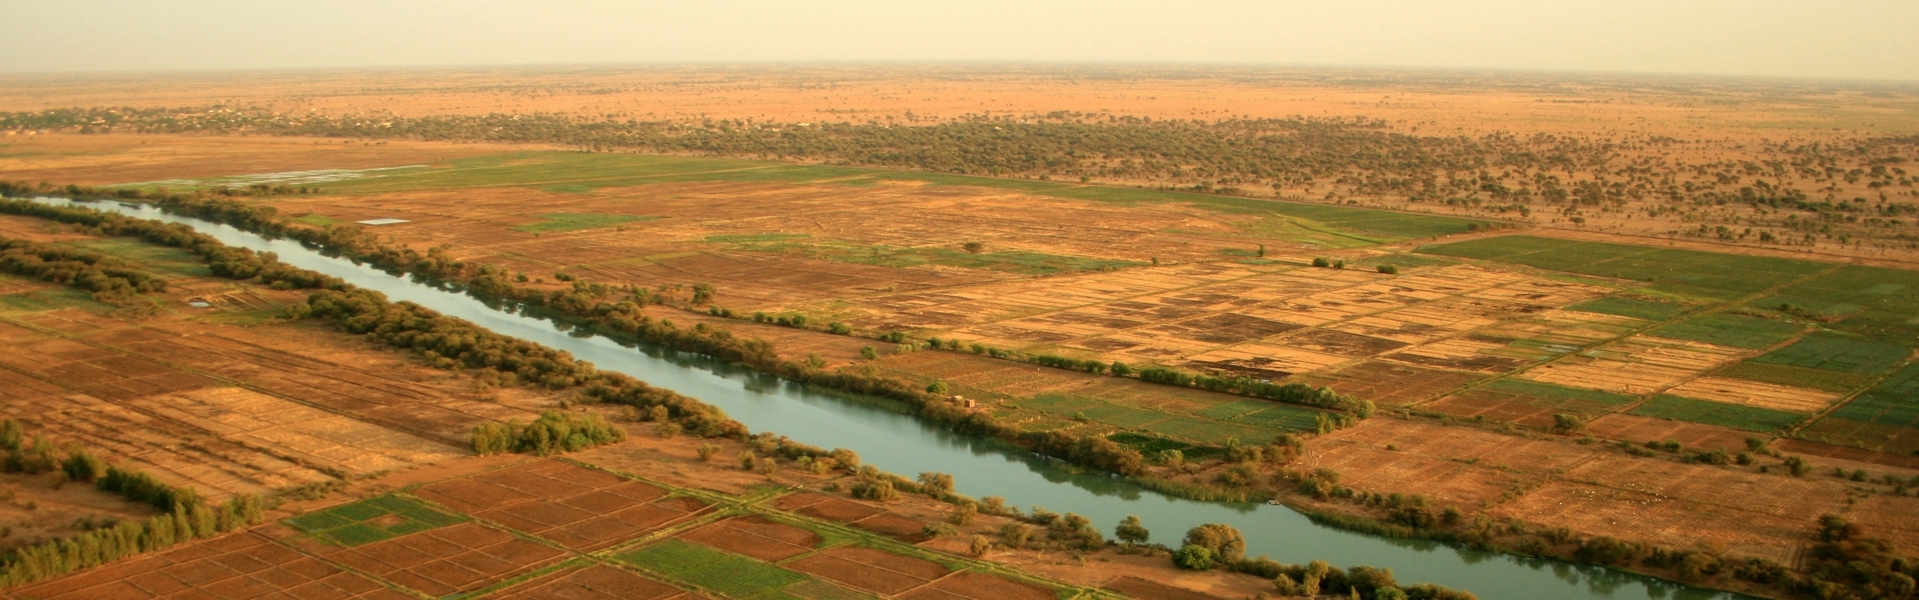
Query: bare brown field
1595, 491
242, 565
575, 506
459, 558
872, 570
36, 508
756, 537
969, 585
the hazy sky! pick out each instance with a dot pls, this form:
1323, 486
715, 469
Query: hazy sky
1876, 39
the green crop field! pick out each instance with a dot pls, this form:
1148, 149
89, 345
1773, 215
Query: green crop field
558, 222
1818, 379
1894, 402
1738, 331
1889, 301
1684, 272
52, 299
1029, 263
1837, 353
1638, 308
372, 520
1735, 416
1558, 396
728, 574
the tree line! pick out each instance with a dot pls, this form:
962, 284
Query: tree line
183, 517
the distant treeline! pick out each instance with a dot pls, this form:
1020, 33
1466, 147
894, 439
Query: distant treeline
1228, 155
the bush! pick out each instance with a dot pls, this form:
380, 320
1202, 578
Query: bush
1014, 535
881, 491
1221, 541
1194, 557
1389, 269
83, 466
1131, 531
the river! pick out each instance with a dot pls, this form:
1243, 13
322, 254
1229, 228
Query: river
906, 444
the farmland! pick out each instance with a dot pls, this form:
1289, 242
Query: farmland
1589, 362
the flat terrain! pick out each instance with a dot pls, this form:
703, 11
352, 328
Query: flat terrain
1665, 276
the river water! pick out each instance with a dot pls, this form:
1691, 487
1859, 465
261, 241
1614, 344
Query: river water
905, 444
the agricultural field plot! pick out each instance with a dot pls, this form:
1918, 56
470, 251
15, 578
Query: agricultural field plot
870, 569
1529, 403
1837, 353
755, 536
228, 409
1738, 331
1750, 418
578, 507
1391, 384
1663, 520
374, 520
1454, 466
1679, 505
1637, 308
1830, 382
1885, 299
856, 514
970, 585
460, 558
1696, 436
1046, 398
1756, 394
595, 582
1686, 272
1636, 365
241, 565
716, 572
1885, 417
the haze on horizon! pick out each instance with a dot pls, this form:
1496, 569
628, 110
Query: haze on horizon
1857, 39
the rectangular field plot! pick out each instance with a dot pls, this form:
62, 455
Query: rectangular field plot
757, 537
1738, 331
1894, 402
242, 565
1787, 375
1889, 299
1750, 418
725, 574
1756, 394
869, 569
371, 520
597, 582
1529, 403
1705, 274
1635, 365
1392, 384
578, 507
1837, 353
1638, 308
449, 560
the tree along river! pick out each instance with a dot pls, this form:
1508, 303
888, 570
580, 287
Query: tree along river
899, 442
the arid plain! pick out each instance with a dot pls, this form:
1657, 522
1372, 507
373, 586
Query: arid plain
1700, 343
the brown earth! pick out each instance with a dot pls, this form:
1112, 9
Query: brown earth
36, 508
